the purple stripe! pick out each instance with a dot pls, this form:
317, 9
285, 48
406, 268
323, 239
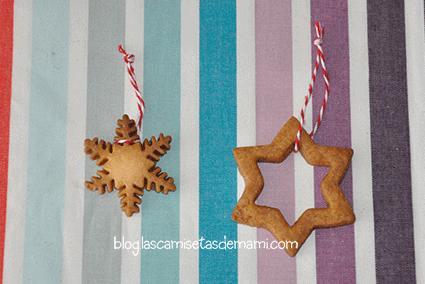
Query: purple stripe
335, 254
273, 107
389, 124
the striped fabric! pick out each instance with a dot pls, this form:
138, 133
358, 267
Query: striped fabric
215, 75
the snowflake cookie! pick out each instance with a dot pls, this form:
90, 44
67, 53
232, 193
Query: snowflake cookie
128, 165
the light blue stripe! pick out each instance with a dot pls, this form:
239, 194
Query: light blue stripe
217, 168
105, 104
47, 142
160, 216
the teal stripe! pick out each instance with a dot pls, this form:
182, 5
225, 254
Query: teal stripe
217, 169
160, 217
47, 138
105, 104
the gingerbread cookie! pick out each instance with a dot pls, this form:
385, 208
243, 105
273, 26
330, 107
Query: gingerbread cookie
338, 211
128, 165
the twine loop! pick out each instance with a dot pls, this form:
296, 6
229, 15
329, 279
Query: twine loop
129, 60
126, 141
319, 62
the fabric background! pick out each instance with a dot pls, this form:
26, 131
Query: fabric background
215, 75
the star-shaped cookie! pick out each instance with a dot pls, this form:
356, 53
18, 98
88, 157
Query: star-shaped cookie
338, 211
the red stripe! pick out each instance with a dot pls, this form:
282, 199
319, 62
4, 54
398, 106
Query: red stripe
6, 51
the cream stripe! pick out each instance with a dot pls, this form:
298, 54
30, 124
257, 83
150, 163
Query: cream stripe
304, 174
17, 181
415, 59
245, 47
76, 131
189, 139
360, 137
131, 227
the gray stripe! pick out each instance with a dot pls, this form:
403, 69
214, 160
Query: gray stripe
105, 104
392, 199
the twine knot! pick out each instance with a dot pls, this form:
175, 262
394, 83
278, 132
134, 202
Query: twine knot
319, 34
318, 41
128, 58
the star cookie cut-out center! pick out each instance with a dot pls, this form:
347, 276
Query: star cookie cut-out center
129, 167
338, 211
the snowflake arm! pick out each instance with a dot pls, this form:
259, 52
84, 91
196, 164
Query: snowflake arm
103, 181
130, 199
98, 150
126, 129
159, 181
155, 148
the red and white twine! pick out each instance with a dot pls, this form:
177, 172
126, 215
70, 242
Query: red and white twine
320, 61
129, 60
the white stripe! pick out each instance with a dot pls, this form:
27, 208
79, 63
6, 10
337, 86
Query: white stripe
415, 59
304, 173
245, 47
76, 131
360, 138
17, 181
189, 139
131, 227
